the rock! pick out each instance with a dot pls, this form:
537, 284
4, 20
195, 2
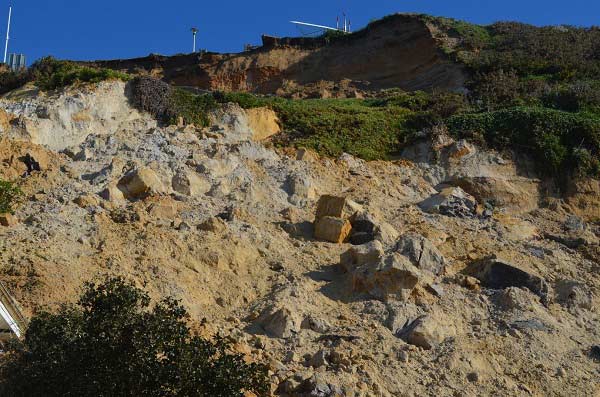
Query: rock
214, 225
422, 253
334, 230
8, 220
427, 332
281, 323
573, 240
319, 359
518, 299
316, 324
460, 149
189, 183
38, 161
306, 155
140, 183
338, 207
573, 294
359, 255
451, 201
393, 276
163, 209
263, 123
365, 228
497, 274
301, 188
595, 352
87, 200
473, 377
113, 194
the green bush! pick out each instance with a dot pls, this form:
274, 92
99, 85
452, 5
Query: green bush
9, 194
553, 137
50, 74
113, 344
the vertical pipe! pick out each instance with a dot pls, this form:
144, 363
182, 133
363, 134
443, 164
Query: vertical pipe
7, 33
194, 47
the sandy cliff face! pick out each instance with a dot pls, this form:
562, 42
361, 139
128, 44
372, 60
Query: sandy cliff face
400, 51
225, 223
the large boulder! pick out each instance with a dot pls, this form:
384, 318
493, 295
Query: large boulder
335, 206
140, 183
422, 253
392, 277
427, 332
497, 274
451, 201
332, 229
358, 255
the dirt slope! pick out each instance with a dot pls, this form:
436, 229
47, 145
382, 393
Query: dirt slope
227, 227
398, 51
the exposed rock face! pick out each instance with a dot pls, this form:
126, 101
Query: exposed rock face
288, 66
281, 323
583, 198
263, 123
63, 120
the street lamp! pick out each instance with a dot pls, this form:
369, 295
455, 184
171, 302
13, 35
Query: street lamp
194, 33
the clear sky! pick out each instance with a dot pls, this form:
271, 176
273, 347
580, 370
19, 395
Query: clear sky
107, 29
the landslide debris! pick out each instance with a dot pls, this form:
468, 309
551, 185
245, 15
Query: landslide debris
225, 223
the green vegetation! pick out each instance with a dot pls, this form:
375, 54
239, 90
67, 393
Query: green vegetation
9, 194
49, 74
113, 344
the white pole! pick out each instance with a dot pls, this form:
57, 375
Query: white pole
7, 33
194, 47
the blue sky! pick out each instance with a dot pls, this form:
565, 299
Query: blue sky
107, 29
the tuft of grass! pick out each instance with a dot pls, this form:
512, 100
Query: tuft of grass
9, 194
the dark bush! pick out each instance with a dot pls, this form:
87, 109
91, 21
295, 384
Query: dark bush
12, 80
152, 95
167, 104
113, 344
9, 194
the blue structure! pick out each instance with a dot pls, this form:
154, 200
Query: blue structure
16, 62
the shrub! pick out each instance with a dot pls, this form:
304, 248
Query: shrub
551, 136
9, 194
12, 80
112, 344
167, 104
50, 74
152, 95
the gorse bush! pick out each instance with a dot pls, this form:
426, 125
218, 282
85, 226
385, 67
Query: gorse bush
113, 344
9, 194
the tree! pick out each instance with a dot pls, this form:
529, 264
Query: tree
113, 344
